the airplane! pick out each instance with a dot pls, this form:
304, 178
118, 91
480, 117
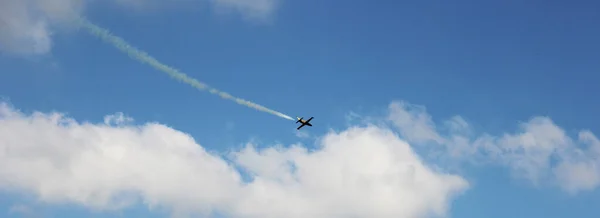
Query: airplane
307, 122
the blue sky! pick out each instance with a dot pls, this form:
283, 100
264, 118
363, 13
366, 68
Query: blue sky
497, 65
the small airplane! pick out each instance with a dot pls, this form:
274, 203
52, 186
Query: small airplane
304, 122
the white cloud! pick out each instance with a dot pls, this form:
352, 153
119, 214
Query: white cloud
26, 26
302, 134
360, 172
20, 209
414, 123
117, 118
540, 151
21, 30
24, 211
255, 9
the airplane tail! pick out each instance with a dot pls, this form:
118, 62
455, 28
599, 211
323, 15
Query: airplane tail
298, 119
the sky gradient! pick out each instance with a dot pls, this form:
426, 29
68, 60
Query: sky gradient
422, 109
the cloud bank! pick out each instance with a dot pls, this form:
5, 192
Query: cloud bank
27, 26
368, 171
359, 172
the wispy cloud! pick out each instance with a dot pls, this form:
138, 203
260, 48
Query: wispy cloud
27, 26
23, 211
302, 134
252, 9
539, 151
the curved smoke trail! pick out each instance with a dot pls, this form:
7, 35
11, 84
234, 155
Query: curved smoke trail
139, 55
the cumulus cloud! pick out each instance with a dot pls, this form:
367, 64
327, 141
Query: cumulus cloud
26, 26
540, 151
360, 172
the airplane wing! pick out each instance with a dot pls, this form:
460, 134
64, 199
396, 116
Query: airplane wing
300, 126
310, 119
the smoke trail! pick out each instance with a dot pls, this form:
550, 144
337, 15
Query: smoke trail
135, 53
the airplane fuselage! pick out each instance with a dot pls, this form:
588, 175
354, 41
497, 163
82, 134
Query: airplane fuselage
304, 122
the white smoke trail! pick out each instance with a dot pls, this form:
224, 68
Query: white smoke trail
135, 53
